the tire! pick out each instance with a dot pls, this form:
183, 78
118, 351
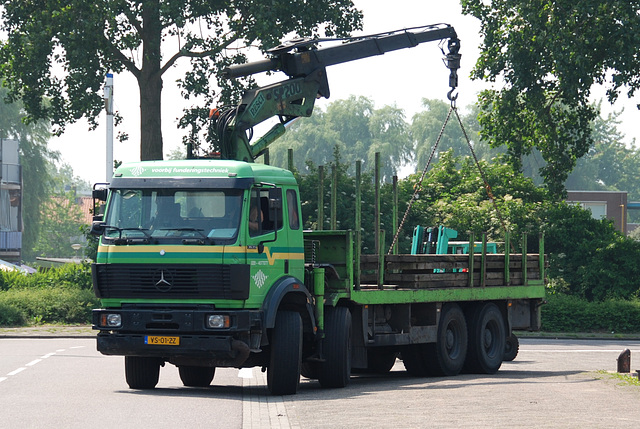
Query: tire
335, 371
511, 348
310, 370
141, 372
447, 355
486, 340
283, 373
413, 359
196, 376
380, 361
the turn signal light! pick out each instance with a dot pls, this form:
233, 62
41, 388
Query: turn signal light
111, 320
218, 321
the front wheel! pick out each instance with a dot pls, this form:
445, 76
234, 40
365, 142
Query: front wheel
283, 373
141, 372
196, 376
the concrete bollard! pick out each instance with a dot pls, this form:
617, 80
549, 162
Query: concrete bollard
624, 361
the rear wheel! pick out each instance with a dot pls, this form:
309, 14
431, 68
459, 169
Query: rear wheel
447, 355
196, 376
511, 348
335, 371
283, 373
141, 372
486, 340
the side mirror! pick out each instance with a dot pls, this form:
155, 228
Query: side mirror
97, 227
100, 194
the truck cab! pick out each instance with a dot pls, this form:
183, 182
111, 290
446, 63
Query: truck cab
195, 258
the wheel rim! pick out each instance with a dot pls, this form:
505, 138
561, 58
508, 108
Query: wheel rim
452, 340
488, 338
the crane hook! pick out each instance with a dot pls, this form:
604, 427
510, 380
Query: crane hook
452, 97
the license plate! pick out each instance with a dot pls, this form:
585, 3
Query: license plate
162, 341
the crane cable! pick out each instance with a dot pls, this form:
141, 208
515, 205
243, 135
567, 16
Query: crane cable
418, 186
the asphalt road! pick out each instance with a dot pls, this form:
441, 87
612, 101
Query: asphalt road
65, 383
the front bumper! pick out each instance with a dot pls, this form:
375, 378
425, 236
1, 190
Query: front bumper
223, 347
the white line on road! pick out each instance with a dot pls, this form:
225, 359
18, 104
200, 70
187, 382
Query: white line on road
3, 379
17, 371
48, 355
33, 362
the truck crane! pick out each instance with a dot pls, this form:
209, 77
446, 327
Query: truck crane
203, 263
305, 64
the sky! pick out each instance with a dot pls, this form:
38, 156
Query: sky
401, 77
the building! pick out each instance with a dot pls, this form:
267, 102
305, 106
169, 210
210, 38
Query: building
605, 204
10, 201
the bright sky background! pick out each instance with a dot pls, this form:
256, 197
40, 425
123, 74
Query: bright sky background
402, 78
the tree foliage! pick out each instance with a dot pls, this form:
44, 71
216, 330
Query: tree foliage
550, 53
610, 164
61, 50
35, 158
357, 129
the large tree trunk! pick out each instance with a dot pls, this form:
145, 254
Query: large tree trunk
150, 84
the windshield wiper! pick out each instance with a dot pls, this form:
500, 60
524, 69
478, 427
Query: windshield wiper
203, 239
130, 240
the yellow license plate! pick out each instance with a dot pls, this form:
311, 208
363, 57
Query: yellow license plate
162, 341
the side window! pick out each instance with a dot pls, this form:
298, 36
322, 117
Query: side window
292, 208
261, 218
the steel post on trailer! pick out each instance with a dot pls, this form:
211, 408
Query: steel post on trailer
358, 225
318, 292
320, 225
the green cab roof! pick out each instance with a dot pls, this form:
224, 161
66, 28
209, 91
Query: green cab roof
203, 169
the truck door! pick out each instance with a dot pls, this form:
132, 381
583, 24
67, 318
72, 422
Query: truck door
266, 239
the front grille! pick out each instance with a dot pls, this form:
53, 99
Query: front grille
171, 281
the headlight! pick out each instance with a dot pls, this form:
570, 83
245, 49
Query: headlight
218, 321
111, 320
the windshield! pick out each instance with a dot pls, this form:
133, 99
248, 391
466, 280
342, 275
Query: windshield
168, 215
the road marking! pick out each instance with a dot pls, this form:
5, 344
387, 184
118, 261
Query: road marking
35, 361
17, 371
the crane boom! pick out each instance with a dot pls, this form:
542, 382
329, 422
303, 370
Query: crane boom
305, 64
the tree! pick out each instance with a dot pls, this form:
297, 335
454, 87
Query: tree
357, 129
550, 53
87, 39
609, 165
34, 159
427, 124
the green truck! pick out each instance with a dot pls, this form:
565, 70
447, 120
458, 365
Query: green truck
204, 263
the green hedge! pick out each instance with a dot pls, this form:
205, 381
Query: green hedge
58, 295
564, 313
47, 305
